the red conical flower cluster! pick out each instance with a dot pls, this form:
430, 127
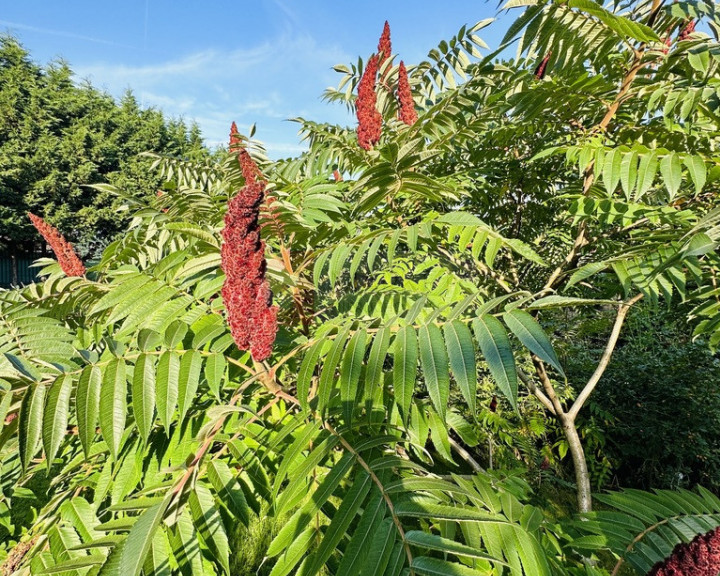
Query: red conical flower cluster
699, 557
235, 140
384, 45
369, 119
246, 293
688, 29
540, 70
406, 111
668, 43
64, 252
250, 170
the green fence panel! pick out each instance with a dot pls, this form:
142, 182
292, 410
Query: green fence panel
16, 271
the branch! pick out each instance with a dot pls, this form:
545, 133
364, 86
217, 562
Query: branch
210, 438
544, 400
637, 539
482, 268
498, 278
379, 484
573, 255
549, 388
589, 176
605, 359
465, 455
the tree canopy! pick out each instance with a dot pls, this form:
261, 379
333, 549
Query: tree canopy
399, 265
57, 138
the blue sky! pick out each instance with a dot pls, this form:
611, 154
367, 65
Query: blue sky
214, 62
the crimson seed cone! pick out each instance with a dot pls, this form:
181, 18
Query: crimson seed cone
405, 100
384, 45
64, 252
699, 557
246, 293
249, 168
235, 140
688, 29
369, 119
540, 70
668, 43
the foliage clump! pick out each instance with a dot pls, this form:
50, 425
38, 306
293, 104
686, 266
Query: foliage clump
655, 409
59, 137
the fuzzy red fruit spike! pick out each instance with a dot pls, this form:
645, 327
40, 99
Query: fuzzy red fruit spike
250, 170
668, 43
64, 252
688, 29
384, 45
540, 70
235, 141
264, 334
407, 105
246, 292
369, 119
699, 557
